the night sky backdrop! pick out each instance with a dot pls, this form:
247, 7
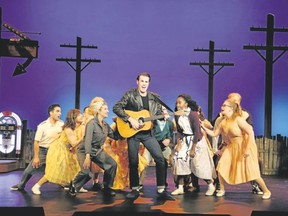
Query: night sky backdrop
155, 36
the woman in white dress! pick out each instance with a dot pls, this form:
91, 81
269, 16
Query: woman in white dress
192, 154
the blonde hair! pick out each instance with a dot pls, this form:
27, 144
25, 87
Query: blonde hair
89, 111
236, 98
96, 99
96, 104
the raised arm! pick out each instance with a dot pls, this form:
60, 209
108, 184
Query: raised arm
213, 133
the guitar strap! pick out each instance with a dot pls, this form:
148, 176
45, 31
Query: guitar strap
163, 104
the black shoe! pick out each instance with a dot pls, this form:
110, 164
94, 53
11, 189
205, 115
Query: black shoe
97, 187
141, 189
108, 191
72, 190
193, 189
16, 188
134, 194
256, 189
165, 196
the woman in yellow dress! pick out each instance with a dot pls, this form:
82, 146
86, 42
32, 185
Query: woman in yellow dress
118, 150
239, 160
61, 162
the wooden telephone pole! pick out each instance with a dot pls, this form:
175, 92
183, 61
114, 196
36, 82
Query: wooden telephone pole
211, 73
78, 68
269, 60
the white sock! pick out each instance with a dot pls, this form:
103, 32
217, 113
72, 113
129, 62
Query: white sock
160, 190
181, 187
37, 185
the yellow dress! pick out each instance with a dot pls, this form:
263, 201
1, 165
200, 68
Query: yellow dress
61, 164
232, 166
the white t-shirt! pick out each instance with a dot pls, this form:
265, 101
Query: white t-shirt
46, 132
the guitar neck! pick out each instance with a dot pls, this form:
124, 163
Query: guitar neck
152, 118
156, 117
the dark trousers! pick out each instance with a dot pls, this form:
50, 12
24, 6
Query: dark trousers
151, 144
104, 161
83, 176
29, 171
216, 159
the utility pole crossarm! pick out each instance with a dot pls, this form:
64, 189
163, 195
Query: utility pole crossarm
75, 60
78, 61
262, 47
212, 64
266, 29
211, 73
208, 50
269, 61
267, 48
75, 46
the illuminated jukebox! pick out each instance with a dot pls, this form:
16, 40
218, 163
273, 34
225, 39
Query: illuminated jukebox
10, 135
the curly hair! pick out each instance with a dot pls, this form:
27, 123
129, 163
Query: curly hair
201, 114
70, 121
191, 103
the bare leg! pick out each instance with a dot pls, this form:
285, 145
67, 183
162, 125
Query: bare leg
42, 181
221, 182
221, 191
262, 184
181, 180
36, 188
267, 193
95, 178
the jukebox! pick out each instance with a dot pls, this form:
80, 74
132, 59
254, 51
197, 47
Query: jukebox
10, 135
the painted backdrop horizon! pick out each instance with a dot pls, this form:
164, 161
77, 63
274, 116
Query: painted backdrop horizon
134, 36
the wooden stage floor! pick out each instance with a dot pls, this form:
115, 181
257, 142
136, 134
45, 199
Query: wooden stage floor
238, 201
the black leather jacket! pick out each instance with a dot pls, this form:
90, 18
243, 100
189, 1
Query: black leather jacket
132, 101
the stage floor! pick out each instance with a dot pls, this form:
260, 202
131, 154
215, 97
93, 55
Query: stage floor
238, 200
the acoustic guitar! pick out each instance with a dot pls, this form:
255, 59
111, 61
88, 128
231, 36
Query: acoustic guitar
144, 118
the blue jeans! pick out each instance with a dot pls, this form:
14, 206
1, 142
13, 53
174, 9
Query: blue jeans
151, 144
29, 171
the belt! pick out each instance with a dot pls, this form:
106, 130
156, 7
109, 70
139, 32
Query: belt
42, 147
